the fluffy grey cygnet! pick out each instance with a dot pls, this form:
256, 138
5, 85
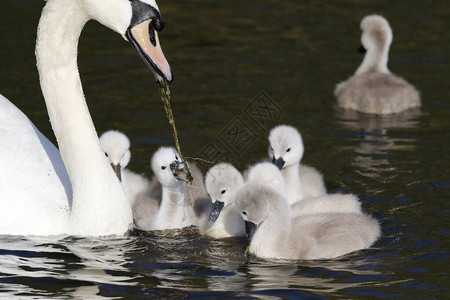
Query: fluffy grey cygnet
286, 151
171, 202
163, 205
222, 182
274, 234
268, 174
374, 89
116, 146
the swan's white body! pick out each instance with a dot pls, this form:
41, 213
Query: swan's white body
36, 197
222, 182
116, 146
314, 236
373, 89
286, 150
33, 179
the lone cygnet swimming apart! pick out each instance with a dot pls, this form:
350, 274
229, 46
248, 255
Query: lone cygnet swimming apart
286, 150
374, 89
222, 182
163, 206
116, 146
274, 234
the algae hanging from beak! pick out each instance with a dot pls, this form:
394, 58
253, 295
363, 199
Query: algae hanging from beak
165, 98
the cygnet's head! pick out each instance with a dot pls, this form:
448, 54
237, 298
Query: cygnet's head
286, 146
116, 146
165, 165
376, 33
268, 174
255, 202
222, 182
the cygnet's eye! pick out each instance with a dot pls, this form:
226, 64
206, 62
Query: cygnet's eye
271, 149
244, 213
163, 167
222, 192
288, 149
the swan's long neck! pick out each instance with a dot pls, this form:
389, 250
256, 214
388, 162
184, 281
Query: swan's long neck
292, 180
375, 60
99, 206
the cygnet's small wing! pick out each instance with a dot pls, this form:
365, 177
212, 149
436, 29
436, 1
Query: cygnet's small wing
326, 236
331, 203
147, 204
312, 182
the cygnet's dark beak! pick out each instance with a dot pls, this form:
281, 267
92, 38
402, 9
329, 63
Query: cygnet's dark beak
216, 208
179, 170
116, 169
361, 49
250, 229
278, 162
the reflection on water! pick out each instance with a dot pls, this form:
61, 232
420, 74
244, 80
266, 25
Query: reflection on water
376, 144
65, 262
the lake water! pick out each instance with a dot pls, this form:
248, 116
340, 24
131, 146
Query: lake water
246, 66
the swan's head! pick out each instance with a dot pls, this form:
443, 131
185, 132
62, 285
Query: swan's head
166, 166
139, 22
376, 33
255, 202
268, 174
286, 146
222, 182
116, 146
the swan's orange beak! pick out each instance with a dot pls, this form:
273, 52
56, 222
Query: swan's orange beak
144, 39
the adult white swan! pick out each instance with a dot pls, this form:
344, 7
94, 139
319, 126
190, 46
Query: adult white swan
36, 195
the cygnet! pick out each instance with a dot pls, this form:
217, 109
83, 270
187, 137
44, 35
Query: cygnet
222, 182
116, 146
163, 206
286, 151
274, 234
374, 89
269, 175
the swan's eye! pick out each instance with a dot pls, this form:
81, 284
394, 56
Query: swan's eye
106, 154
288, 149
163, 167
222, 192
176, 157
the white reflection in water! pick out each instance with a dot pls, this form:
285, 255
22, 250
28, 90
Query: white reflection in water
309, 275
91, 260
376, 144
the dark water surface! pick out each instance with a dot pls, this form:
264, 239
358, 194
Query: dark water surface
231, 60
